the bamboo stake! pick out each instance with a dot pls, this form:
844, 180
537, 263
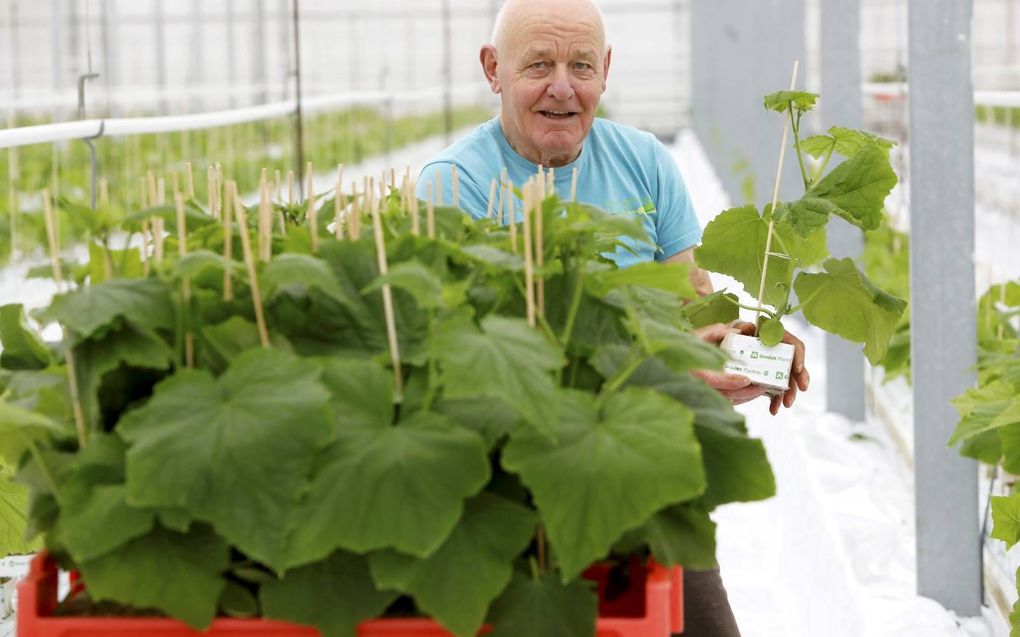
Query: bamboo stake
355, 225
502, 195
573, 185
290, 187
540, 255
58, 276
143, 250
529, 275
393, 178
430, 213
276, 185
210, 186
511, 215
391, 324
153, 192
221, 200
265, 222
415, 218
775, 200
182, 251
249, 262
456, 185
310, 212
104, 192
492, 196
338, 222
189, 180
161, 190
550, 184
228, 240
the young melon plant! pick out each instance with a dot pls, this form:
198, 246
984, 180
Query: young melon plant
379, 417
782, 253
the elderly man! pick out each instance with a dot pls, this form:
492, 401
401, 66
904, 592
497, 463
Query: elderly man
548, 62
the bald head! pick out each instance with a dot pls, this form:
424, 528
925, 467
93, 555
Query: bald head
512, 12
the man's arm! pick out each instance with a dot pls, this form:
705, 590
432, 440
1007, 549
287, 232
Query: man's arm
699, 278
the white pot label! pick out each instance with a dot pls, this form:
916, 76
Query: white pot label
766, 366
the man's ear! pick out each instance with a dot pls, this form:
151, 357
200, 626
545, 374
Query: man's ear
605, 66
487, 56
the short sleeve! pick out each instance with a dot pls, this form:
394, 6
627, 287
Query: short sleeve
470, 197
676, 223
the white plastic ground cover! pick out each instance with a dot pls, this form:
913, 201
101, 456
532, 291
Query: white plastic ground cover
833, 553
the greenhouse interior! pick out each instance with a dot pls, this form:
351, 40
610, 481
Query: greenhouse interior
319, 318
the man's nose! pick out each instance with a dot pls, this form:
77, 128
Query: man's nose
559, 86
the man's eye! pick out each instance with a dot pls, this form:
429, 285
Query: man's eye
582, 66
537, 65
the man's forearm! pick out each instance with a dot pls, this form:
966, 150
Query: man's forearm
699, 278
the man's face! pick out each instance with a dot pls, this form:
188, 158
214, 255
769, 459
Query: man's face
550, 73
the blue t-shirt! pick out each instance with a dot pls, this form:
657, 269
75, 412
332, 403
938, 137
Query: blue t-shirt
620, 170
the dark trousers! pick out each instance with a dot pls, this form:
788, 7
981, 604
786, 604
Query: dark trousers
707, 610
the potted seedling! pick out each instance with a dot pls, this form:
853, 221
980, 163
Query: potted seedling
780, 257
405, 422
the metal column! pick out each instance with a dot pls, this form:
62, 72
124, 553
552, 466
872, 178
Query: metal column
943, 332
841, 106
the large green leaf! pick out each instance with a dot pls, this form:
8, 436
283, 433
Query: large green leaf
290, 272
383, 486
21, 428
1006, 519
544, 607
420, 282
985, 409
235, 451
855, 190
95, 517
20, 348
681, 535
680, 350
504, 359
145, 303
13, 515
671, 277
456, 583
609, 469
718, 307
333, 595
844, 141
845, 302
179, 574
734, 244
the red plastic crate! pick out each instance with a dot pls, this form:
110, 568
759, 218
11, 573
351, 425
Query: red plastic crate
655, 610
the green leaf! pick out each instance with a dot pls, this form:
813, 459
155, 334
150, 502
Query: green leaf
518, 361
844, 301
209, 445
681, 535
237, 601
855, 190
717, 307
1006, 519
491, 418
671, 277
145, 303
382, 486
495, 258
197, 262
544, 607
680, 350
334, 595
94, 516
416, 279
844, 141
21, 428
298, 272
609, 469
13, 515
771, 332
480, 551
985, 409
178, 574
734, 244
780, 101
20, 348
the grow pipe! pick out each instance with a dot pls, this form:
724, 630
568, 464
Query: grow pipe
121, 127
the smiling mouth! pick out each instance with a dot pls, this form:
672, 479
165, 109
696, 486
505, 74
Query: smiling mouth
557, 114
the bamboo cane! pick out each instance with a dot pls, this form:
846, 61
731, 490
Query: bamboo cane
511, 215
775, 200
573, 185
182, 251
415, 218
58, 276
338, 222
430, 213
529, 275
310, 212
492, 196
355, 225
391, 324
249, 262
228, 239
189, 180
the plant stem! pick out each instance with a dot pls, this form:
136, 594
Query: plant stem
575, 303
619, 378
825, 164
47, 475
795, 122
757, 310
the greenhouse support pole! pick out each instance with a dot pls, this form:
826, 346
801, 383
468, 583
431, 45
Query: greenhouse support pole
299, 133
160, 24
943, 345
841, 106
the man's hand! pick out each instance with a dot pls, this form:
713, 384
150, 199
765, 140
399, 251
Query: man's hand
739, 389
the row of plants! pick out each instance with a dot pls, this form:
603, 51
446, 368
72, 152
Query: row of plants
998, 115
348, 136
